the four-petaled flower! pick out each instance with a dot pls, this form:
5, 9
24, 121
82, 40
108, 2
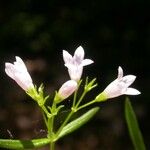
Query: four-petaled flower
121, 85
19, 73
75, 63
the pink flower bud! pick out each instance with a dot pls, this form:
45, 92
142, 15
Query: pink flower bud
67, 89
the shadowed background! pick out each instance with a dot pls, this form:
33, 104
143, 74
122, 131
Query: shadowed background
112, 33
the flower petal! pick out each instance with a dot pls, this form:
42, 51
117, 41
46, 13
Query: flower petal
24, 82
120, 72
78, 55
75, 73
9, 69
67, 57
79, 52
86, 62
128, 80
20, 64
132, 91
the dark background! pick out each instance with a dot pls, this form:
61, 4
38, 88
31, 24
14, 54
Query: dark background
112, 33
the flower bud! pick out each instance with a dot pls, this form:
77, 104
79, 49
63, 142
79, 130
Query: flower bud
67, 89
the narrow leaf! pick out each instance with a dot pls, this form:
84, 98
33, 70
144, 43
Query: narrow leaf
133, 127
70, 127
23, 144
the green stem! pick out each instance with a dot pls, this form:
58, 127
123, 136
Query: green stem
75, 94
50, 127
74, 98
87, 104
45, 119
52, 146
52, 124
82, 96
46, 111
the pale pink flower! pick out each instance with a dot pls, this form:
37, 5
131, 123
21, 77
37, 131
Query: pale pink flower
121, 85
67, 89
76, 63
19, 73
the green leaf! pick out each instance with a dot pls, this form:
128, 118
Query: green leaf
23, 144
70, 127
133, 127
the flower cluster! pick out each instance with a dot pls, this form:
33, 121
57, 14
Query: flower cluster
74, 64
52, 109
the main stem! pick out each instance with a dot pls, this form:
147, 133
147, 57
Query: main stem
52, 146
51, 127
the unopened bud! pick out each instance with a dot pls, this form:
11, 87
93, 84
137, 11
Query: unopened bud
67, 89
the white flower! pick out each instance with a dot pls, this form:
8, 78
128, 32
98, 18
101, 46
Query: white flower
67, 89
19, 73
121, 85
75, 63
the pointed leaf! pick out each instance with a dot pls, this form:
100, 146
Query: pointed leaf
133, 127
70, 127
23, 144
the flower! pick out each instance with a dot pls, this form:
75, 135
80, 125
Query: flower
67, 89
19, 73
121, 85
76, 63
